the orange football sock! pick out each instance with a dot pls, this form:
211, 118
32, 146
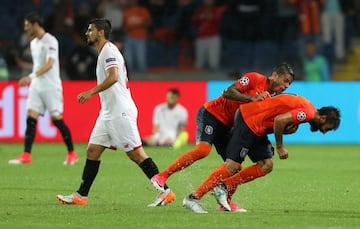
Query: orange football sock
233, 190
200, 151
217, 175
245, 175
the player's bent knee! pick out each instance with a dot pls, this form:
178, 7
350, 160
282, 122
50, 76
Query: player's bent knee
267, 166
137, 155
232, 166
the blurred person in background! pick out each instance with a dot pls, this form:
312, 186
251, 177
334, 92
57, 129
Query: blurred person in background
333, 27
82, 60
206, 20
315, 65
169, 123
136, 22
45, 92
113, 11
308, 13
4, 73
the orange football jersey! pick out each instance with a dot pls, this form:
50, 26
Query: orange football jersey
259, 116
223, 109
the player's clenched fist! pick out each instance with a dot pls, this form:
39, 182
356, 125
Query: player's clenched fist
283, 153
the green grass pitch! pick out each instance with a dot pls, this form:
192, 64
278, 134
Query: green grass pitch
317, 187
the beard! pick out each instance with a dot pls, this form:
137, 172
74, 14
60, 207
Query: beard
314, 127
90, 42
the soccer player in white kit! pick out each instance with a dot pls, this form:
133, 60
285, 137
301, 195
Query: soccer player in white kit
45, 92
169, 122
116, 125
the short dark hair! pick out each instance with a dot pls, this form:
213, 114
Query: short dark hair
102, 24
174, 91
332, 115
284, 68
35, 17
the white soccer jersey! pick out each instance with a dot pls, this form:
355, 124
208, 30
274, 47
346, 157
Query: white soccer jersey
117, 99
41, 50
116, 125
169, 120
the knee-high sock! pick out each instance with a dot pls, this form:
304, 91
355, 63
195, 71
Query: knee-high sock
89, 173
29, 134
232, 191
150, 169
65, 133
200, 151
217, 175
245, 175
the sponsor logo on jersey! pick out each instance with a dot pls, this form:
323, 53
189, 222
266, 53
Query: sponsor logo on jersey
244, 81
301, 116
52, 48
111, 59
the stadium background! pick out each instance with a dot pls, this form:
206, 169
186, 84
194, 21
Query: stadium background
80, 118
148, 88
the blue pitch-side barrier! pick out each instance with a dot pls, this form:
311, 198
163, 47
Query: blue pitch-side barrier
343, 95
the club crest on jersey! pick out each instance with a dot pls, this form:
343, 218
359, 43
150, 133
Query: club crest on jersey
111, 59
301, 116
209, 130
244, 81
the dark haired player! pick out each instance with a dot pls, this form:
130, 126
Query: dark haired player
116, 125
252, 123
215, 118
45, 92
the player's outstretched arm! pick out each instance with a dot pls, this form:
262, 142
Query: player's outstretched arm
233, 93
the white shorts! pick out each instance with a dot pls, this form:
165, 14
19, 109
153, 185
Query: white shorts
48, 100
121, 133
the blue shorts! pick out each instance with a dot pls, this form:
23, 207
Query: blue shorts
245, 142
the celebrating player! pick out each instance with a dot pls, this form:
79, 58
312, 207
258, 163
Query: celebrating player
215, 118
116, 125
252, 123
45, 92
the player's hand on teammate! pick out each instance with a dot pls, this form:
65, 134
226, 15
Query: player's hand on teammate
24, 81
261, 96
283, 153
84, 96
